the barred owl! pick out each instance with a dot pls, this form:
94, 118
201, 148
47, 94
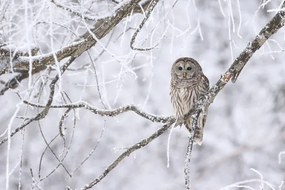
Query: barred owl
188, 83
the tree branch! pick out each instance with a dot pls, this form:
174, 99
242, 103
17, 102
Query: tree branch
232, 73
110, 113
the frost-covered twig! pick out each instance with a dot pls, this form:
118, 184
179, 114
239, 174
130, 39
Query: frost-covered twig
45, 111
147, 13
110, 113
232, 74
130, 150
245, 182
137, 9
72, 11
263, 184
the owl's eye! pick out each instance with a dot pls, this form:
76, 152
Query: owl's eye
180, 68
189, 68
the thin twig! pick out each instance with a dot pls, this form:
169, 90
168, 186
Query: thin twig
103, 104
42, 156
45, 111
61, 125
60, 161
34, 182
148, 11
72, 11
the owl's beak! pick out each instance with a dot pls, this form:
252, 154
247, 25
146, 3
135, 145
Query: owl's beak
184, 75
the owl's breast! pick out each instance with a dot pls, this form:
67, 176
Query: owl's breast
183, 99
187, 95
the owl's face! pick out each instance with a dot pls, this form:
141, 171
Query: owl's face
185, 68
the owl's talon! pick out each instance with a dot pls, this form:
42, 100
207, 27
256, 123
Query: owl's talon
179, 122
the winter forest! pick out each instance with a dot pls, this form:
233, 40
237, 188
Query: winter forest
85, 104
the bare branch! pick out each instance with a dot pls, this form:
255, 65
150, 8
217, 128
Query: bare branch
60, 161
42, 156
72, 11
110, 113
14, 82
125, 154
148, 11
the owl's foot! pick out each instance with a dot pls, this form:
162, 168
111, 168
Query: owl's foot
198, 141
179, 122
188, 127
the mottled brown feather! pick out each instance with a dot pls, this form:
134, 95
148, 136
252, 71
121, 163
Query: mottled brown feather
185, 92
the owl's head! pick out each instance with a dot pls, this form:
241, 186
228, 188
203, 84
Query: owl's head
185, 68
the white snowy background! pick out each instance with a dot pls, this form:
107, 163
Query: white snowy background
244, 137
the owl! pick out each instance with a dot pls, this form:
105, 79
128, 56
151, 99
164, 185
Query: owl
188, 84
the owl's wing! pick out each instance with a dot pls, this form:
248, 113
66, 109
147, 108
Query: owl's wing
204, 84
198, 136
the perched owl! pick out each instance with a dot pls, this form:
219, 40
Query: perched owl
188, 83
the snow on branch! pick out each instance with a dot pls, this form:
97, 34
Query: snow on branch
137, 9
21, 63
110, 113
232, 74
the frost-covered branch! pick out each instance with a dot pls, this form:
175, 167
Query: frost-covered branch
125, 154
232, 73
21, 62
110, 113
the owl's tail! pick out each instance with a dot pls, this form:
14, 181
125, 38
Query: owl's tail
198, 134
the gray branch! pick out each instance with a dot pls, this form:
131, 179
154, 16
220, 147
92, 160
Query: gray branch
232, 73
109, 113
